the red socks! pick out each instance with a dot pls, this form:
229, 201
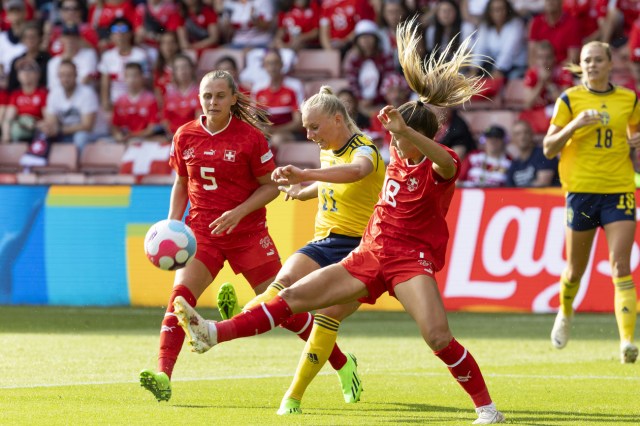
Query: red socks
466, 371
257, 320
171, 334
301, 324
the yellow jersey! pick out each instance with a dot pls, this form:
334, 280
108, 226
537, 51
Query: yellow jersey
596, 159
345, 208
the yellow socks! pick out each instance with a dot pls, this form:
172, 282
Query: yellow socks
271, 292
625, 302
568, 291
316, 352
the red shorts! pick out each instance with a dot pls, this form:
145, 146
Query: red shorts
251, 254
381, 273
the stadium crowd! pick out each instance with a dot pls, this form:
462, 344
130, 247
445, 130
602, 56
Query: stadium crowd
92, 91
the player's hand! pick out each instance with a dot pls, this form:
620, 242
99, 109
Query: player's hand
391, 119
291, 192
634, 140
587, 118
226, 222
287, 175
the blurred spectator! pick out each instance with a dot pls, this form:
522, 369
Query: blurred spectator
350, 102
153, 18
338, 20
502, 38
201, 25
71, 110
135, 113
281, 98
619, 19
162, 70
395, 92
530, 168
591, 16
248, 23
366, 65
448, 24
101, 16
298, 24
181, 102
227, 63
634, 54
454, 133
26, 104
393, 12
71, 12
473, 10
32, 40
560, 28
10, 40
543, 82
487, 167
5, 21
113, 61
529, 8
84, 58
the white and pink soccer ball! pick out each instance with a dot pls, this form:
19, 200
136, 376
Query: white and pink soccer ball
170, 244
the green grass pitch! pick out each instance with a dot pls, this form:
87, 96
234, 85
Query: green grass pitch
79, 366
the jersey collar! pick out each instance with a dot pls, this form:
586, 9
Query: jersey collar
203, 120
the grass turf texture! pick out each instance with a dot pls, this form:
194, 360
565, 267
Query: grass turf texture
61, 366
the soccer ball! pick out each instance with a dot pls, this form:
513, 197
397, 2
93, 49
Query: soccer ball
170, 244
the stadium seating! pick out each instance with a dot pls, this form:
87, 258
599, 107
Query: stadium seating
479, 121
312, 87
300, 154
63, 158
514, 95
99, 158
316, 64
10, 156
209, 58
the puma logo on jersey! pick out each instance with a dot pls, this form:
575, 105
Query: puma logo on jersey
210, 152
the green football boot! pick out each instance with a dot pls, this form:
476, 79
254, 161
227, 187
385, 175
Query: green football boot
349, 380
289, 406
228, 301
158, 384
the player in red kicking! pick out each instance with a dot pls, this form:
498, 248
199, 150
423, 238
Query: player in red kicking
405, 241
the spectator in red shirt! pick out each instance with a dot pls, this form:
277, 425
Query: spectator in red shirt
280, 99
338, 20
560, 29
544, 81
70, 13
634, 56
620, 16
103, 12
200, 24
155, 17
298, 24
135, 114
366, 65
168, 49
181, 103
591, 16
7, 5
26, 104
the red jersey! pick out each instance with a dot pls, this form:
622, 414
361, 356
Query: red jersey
342, 16
159, 18
630, 10
280, 103
29, 103
222, 168
299, 21
634, 41
87, 32
135, 113
563, 35
4, 23
561, 78
101, 16
180, 107
409, 218
161, 79
587, 13
197, 24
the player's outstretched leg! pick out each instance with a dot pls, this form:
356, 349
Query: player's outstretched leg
561, 330
488, 415
349, 380
228, 301
201, 333
156, 383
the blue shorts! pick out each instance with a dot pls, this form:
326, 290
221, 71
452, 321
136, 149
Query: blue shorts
330, 250
588, 211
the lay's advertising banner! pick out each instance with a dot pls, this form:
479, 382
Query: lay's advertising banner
83, 245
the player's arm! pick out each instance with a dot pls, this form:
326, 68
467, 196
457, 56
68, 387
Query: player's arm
179, 198
359, 168
557, 136
633, 136
299, 192
266, 192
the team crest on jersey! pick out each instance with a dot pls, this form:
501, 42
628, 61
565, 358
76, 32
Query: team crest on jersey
412, 184
265, 242
428, 266
229, 155
188, 154
605, 118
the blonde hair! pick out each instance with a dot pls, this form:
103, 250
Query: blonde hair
244, 109
326, 101
577, 69
437, 79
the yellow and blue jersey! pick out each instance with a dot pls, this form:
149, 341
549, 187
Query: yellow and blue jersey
596, 159
345, 208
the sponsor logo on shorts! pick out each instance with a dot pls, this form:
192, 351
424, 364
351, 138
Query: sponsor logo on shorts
428, 266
